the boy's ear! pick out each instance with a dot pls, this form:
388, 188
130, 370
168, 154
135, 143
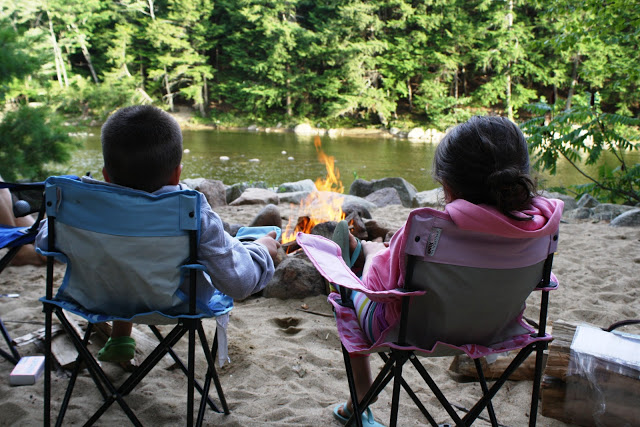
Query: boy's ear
175, 176
105, 175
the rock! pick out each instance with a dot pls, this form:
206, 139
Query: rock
355, 202
579, 213
295, 278
269, 215
429, 199
324, 229
631, 218
304, 185
587, 201
406, 191
214, 191
416, 133
192, 183
384, 197
294, 197
609, 211
377, 230
234, 191
256, 196
353, 207
570, 202
304, 129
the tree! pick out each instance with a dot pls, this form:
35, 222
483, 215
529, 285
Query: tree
582, 134
30, 138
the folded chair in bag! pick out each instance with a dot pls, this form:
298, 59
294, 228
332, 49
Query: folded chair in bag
464, 292
130, 256
13, 238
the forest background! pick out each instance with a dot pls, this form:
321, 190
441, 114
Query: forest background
558, 66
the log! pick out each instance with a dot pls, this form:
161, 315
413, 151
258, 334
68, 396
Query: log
604, 393
63, 349
560, 348
464, 365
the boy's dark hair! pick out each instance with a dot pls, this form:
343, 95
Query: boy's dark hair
486, 160
141, 146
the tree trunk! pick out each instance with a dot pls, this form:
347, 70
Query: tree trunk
508, 88
574, 81
61, 72
288, 98
85, 52
410, 94
167, 87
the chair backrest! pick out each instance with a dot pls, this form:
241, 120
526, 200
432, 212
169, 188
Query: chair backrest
127, 251
476, 283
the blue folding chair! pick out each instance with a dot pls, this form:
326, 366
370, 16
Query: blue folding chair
130, 256
13, 238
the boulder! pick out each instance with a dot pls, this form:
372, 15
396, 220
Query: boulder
269, 215
416, 133
295, 277
429, 199
256, 196
570, 202
384, 197
215, 192
630, 218
304, 185
406, 191
294, 197
304, 129
587, 201
234, 191
609, 211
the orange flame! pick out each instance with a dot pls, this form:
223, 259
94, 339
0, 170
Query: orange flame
319, 206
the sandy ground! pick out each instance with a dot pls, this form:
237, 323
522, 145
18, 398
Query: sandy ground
286, 366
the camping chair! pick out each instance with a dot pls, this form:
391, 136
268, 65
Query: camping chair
464, 292
130, 256
27, 199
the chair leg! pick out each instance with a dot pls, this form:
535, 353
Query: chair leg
395, 400
357, 413
184, 369
535, 394
191, 361
14, 357
212, 374
436, 391
485, 391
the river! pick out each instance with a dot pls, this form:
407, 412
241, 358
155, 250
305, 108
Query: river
274, 158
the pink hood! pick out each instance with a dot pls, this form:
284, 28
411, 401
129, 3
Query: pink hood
387, 269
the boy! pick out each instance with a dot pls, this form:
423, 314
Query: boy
142, 149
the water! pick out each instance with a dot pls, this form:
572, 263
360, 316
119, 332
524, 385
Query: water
355, 157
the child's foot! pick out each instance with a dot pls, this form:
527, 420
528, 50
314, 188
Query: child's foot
342, 414
120, 349
27, 255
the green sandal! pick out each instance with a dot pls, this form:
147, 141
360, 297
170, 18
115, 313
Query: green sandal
117, 350
341, 237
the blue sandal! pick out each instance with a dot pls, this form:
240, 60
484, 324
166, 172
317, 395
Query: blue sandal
367, 416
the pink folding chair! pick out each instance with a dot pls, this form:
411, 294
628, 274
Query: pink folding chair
464, 292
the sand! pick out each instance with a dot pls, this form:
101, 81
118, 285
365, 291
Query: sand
286, 366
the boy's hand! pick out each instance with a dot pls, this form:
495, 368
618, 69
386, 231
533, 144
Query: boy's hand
269, 241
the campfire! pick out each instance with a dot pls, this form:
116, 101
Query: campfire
319, 206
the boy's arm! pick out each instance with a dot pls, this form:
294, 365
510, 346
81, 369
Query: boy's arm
236, 268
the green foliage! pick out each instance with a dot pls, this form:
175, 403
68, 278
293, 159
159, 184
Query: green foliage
581, 135
32, 143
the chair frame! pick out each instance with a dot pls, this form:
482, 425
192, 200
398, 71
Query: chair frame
395, 359
12, 355
186, 325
